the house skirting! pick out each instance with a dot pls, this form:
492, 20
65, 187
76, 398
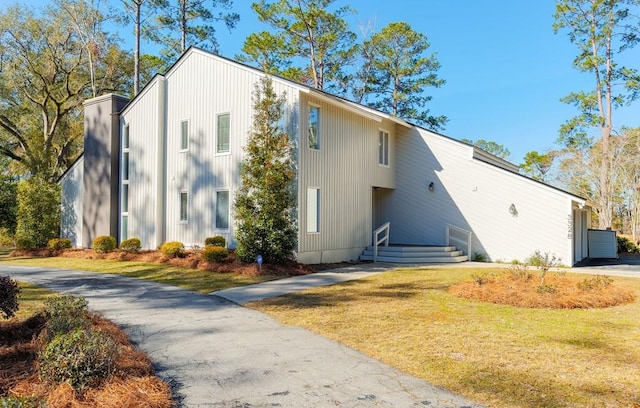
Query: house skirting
330, 256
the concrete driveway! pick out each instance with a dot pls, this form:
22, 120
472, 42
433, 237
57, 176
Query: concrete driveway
216, 353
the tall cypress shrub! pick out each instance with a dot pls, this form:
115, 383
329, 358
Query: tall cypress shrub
265, 203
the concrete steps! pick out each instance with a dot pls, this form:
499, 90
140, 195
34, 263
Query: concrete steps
415, 254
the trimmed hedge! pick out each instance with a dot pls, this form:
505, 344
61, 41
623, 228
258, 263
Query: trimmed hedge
24, 244
213, 253
216, 241
57, 244
174, 249
104, 244
131, 245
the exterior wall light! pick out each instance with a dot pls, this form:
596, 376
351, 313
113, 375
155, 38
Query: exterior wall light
431, 186
513, 210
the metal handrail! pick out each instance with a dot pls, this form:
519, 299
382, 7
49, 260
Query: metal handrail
377, 241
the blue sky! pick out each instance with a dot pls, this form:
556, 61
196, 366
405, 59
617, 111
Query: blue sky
505, 69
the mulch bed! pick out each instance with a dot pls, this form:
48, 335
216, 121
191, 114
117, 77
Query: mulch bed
133, 385
191, 260
524, 289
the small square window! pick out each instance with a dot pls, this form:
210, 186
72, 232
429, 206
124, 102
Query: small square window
313, 133
184, 135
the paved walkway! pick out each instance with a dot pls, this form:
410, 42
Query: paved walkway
216, 353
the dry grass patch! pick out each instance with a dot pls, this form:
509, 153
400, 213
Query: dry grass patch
519, 287
499, 355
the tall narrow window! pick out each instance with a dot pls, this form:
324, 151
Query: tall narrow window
184, 135
124, 228
222, 138
125, 137
125, 198
313, 122
313, 210
383, 148
125, 166
183, 206
222, 209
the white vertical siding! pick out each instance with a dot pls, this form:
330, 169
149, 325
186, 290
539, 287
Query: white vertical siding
199, 88
72, 194
142, 117
475, 196
345, 169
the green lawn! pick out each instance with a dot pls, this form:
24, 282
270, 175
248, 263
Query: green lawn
30, 300
502, 356
196, 280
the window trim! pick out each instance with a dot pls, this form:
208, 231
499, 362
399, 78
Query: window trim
228, 191
228, 151
182, 136
310, 106
184, 220
317, 212
384, 149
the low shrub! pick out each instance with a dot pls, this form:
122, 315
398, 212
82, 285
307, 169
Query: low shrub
6, 238
20, 402
24, 244
81, 358
216, 241
131, 245
65, 314
58, 244
104, 244
213, 253
596, 283
626, 246
9, 291
480, 257
174, 249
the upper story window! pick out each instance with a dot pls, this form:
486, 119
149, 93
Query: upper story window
125, 137
313, 122
383, 148
184, 135
222, 133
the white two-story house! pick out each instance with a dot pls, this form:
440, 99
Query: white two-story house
164, 166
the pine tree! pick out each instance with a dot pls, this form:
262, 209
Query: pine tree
266, 201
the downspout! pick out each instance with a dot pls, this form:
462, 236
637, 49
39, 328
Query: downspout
161, 176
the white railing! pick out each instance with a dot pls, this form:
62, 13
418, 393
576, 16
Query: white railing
384, 228
459, 237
